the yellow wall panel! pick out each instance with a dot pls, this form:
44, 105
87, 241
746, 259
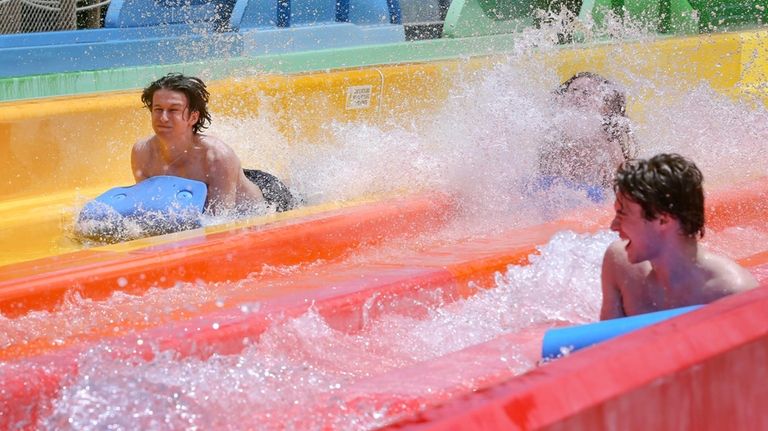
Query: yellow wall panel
754, 60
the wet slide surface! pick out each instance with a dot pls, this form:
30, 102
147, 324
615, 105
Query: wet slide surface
358, 316
368, 309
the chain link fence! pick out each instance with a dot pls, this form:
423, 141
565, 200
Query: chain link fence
25, 16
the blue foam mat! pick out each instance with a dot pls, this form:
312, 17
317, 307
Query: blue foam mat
577, 337
159, 204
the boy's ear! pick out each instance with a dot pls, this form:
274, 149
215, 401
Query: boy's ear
194, 116
665, 220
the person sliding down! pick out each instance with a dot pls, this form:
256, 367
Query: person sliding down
588, 139
179, 113
658, 262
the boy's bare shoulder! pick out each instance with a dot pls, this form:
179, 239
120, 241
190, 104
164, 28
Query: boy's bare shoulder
216, 148
618, 268
616, 254
142, 144
727, 276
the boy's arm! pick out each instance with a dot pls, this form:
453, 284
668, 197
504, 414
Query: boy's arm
139, 160
612, 305
223, 176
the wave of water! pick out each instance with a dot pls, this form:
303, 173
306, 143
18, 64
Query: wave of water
303, 374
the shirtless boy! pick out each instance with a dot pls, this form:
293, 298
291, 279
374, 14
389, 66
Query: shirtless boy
179, 114
587, 145
658, 263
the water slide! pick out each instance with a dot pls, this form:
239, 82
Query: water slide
408, 302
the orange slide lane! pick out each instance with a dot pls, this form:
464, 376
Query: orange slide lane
476, 261
344, 295
222, 256
232, 255
743, 204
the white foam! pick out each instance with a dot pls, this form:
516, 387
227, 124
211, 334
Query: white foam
298, 371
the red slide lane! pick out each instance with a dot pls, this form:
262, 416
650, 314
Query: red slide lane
701, 371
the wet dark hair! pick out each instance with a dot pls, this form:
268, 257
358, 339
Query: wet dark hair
614, 99
615, 124
665, 183
193, 88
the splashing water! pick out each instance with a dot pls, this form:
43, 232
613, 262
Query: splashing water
303, 365
79, 316
724, 137
481, 145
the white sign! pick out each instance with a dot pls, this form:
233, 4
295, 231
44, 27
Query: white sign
359, 97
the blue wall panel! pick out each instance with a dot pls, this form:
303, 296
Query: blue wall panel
150, 32
91, 35
146, 13
108, 55
374, 12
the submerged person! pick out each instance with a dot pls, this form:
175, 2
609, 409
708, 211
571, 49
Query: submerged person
178, 105
658, 262
591, 137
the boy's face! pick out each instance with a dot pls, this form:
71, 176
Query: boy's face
584, 93
170, 113
642, 235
